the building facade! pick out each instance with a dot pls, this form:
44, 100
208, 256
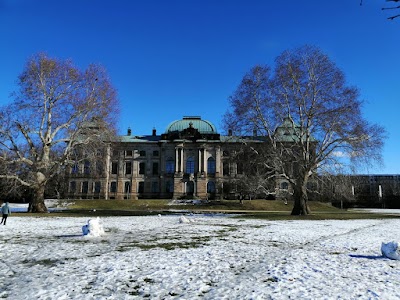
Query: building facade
189, 160
192, 160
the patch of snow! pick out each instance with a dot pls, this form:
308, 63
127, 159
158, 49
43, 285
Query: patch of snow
51, 204
183, 219
213, 258
188, 202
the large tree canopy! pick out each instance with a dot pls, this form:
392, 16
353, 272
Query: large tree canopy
56, 109
311, 117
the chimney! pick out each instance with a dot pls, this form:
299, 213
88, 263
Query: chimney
230, 132
129, 131
154, 132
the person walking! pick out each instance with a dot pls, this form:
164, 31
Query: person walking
5, 210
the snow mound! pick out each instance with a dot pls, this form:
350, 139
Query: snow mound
93, 228
183, 219
389, 250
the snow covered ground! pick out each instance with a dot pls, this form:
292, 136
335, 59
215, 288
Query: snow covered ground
209, 257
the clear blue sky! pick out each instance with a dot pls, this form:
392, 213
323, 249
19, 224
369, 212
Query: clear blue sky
170, 58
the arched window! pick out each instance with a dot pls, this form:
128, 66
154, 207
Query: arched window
211, 165
190, 165
170, 165
211, 187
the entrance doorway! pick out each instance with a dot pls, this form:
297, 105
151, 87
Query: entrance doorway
189, 188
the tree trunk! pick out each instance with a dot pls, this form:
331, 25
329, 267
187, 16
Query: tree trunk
37, 205
301, 200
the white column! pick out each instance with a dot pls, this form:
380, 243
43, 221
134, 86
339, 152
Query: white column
181, 169
204, 160
176, 160
218, 161
199, 165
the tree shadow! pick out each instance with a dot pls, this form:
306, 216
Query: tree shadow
368, 256
69, 236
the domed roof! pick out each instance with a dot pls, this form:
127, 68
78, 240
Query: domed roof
203, 126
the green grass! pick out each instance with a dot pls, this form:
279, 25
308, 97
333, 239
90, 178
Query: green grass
260, 209
317, 215
165, 205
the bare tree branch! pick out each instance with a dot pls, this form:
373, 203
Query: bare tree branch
309, 116
49, 118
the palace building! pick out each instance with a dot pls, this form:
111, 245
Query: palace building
189, 160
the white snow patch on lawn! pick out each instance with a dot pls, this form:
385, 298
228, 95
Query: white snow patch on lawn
156, 257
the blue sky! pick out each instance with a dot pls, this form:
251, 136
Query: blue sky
173, 58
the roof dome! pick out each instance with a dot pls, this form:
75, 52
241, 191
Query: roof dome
203, 126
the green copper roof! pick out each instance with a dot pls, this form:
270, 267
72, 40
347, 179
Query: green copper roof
202, 126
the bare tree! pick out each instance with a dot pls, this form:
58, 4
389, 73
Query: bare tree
308, 114
254, 175
57, 109
391, 8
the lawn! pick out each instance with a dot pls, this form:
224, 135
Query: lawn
259, 209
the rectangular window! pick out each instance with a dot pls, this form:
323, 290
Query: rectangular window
99, 168
114, 167
170, 166
156, 153
97, 187
225, 169
85, 187
169, 187
127, 187
142, 153
155, 168
86, 167
211, 166
154, 187
128, 153
239, 168
128, 168
75, 169
113, 187
141, 187
142, 168
72, 187
190, 165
